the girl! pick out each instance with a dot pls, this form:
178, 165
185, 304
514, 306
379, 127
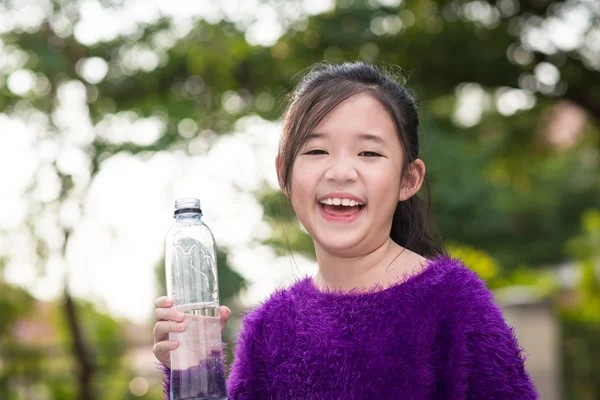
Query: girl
387, 315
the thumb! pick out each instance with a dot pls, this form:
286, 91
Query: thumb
224, 314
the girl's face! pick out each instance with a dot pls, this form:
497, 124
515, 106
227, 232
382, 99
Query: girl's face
346, 180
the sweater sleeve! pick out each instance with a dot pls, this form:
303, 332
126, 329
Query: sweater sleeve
248, 375
495, 364
166, 379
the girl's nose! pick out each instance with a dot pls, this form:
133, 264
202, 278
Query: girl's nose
341, 170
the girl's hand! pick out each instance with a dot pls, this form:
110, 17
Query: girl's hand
170, 320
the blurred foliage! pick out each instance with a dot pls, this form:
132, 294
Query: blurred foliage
508, 196
14, 302
580, 354
580, 313
289, 237
484, 265
36, 360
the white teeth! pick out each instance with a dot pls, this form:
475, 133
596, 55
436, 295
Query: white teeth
344, 202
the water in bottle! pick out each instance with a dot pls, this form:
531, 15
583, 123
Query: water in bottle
197, 365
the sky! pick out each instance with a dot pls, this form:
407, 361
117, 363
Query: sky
118, 238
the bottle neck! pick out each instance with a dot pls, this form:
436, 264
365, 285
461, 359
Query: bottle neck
188, 216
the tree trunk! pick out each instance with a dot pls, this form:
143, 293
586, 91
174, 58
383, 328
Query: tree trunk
84, 357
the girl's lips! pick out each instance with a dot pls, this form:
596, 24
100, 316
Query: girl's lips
344, 218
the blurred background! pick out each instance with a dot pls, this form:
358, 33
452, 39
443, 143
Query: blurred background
112, 109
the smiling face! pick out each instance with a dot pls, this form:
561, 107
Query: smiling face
346, 179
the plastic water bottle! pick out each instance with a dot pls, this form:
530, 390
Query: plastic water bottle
197, 365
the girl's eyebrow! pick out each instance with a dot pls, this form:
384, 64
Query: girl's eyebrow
317, 135
371, 137
362, 136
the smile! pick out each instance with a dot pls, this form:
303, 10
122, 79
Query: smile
341, 213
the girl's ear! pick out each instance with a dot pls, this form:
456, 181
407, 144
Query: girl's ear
412, 181
279, 169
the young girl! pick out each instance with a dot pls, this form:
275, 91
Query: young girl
387, 315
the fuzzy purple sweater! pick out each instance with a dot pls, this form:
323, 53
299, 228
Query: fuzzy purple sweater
436, 335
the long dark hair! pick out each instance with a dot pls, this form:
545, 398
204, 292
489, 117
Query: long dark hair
321, 90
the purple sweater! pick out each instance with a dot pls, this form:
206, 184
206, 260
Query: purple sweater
436, 335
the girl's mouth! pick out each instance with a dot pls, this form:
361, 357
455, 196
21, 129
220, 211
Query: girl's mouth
340, 213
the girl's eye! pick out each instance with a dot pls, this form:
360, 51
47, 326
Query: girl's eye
369, 154
316, 152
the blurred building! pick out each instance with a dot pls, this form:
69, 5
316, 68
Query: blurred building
536, 327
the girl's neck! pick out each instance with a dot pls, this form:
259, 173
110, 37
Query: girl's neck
383, 265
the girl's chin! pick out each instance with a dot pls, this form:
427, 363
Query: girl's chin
345, 245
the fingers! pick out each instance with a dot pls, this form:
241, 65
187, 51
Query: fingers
168, 320
162, 350
224, 314
163, 328
168, 314
164, 313
164, 301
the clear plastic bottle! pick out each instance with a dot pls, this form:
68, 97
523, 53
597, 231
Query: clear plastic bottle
197, 365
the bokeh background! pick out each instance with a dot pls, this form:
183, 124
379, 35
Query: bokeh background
112, 109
